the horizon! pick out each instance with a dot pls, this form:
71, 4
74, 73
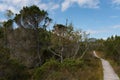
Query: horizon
100, 18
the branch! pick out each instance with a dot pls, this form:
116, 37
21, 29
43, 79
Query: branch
84, 53
76, 51
54, 52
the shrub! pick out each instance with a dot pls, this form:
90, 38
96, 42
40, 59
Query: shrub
42, 72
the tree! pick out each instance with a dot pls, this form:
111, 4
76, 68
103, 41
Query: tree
37, 20
1, 24
8, 28
9, 14
65, 41
32, 17
15, 71
112, 48
85, 41
59, 34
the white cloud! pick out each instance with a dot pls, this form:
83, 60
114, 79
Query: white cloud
97, 31
92, 31
16, 5
66, 4
55, 6
43, 6
116, 26
114, 16
50, 6
116, 2
2, 20
3, 7
82, 3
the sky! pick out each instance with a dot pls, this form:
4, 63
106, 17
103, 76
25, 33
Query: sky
100, 18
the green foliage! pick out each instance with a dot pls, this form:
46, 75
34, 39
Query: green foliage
46, 69
72, 64
18, 58
9, 14
112, 52
8, 24
70, 69
31, 17
112, 48
16, 71
11, 69
1, 33
4, 55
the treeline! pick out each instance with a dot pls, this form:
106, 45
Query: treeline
112, 48
30, 45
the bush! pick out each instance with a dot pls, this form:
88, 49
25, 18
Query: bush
17, 71
42, 72
11, 69
70, 69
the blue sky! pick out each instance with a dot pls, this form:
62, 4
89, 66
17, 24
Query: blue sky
100, 18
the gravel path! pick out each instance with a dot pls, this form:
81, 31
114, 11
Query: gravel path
109, 73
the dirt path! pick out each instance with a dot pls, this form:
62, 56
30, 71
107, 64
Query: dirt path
108, 72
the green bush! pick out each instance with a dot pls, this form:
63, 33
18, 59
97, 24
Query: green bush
42, 72
11, 69
18, 71
71, 64
55, 70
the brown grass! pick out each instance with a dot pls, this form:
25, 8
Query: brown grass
115, 66
100, 54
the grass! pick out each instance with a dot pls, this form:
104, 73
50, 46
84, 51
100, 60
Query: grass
100, 54
115, 66
89, 68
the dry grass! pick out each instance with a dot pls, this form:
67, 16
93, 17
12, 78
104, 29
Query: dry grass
100, 54
115, 66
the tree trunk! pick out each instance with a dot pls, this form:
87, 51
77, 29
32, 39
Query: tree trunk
37, 43
76, 51
84, 51
61, 54
5, 38
54, 52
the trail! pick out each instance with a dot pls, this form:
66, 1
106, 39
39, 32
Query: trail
108, 72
